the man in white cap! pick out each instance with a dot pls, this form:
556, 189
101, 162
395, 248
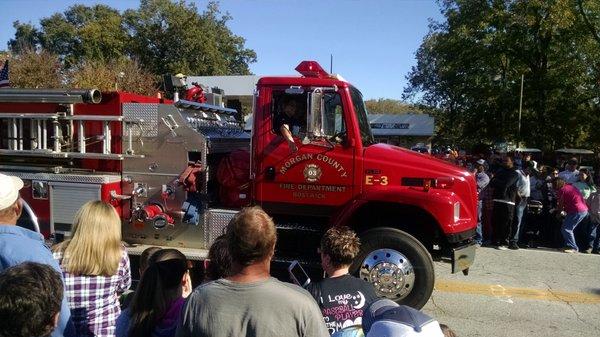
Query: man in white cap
18, 245
386, 318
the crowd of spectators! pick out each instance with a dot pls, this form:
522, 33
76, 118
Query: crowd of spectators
79, 287
523, 203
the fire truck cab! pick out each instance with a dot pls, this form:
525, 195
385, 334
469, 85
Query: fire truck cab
130, 150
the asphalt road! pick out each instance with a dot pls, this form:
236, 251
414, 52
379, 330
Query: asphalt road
520, 293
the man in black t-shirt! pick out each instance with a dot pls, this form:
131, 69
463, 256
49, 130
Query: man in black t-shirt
340, 296
289, 122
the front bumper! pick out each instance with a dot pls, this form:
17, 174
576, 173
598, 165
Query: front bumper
456, 238
463, 257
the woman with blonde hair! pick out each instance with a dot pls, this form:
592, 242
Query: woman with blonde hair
96, 269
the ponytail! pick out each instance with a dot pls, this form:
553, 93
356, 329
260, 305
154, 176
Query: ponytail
159, 286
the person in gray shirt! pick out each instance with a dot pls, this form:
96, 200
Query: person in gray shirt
250, 302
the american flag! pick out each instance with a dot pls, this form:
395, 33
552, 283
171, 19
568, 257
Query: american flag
4, 82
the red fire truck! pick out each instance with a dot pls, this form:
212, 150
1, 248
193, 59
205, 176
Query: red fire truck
71, 146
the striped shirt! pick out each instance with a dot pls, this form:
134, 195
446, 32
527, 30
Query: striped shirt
94, 300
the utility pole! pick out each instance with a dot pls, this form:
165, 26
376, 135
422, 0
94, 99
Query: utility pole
331, 63
520, 109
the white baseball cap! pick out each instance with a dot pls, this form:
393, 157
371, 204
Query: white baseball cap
386, 318
9, 190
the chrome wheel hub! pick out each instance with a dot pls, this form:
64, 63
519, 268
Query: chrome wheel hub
390, 272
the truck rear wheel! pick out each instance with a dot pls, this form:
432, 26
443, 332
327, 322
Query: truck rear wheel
397, 264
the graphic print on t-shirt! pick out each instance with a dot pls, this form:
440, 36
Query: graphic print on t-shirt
342, 300
343, 310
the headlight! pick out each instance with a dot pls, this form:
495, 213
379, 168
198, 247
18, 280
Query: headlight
456, 211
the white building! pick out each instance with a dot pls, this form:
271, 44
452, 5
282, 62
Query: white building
406, 130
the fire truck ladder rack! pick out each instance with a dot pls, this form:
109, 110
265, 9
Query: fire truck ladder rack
210, 116
49, 143
204, 107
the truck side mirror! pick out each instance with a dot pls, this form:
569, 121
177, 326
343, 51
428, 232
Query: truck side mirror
314, 118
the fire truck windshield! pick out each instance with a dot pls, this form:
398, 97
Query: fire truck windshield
361, 116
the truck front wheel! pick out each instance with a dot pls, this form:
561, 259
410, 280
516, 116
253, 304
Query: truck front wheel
397, 264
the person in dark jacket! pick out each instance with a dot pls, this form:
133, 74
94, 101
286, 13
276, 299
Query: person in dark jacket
504, 185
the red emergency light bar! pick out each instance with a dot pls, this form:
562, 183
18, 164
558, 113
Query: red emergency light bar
311, 69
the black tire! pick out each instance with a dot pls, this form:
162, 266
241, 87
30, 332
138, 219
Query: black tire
415, 252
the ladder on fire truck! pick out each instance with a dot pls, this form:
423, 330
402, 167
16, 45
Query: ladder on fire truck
60, 134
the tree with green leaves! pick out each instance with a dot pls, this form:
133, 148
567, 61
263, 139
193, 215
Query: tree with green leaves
123, 74
469, 70
162, 36
42, 69
79, 34
390, 106
173, 37
27, 38
34, 69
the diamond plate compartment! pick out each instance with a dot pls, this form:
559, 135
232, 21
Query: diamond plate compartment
148, 112
215, 222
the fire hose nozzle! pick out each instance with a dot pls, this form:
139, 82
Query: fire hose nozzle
157, 216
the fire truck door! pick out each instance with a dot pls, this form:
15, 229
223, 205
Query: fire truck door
320, 173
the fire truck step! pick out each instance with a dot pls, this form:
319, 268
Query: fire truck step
298, 241
298, 227
190, 253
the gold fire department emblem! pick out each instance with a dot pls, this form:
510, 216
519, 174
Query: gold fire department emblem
312, 173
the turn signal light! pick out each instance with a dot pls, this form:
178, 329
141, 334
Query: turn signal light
426, 185
311, 69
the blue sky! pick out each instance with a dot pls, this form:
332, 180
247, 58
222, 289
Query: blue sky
373, 42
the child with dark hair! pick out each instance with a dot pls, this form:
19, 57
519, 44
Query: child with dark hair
218, 263
30, 300
127, 296
145, 258
158, 300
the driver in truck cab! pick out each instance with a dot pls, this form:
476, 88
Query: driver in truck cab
290, 121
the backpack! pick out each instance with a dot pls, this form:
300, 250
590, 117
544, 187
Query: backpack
594, 206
